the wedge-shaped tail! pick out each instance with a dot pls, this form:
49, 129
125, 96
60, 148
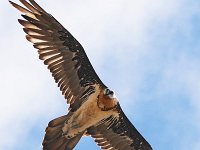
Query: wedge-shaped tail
54, 138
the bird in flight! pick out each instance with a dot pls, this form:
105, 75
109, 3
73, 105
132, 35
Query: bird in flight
94, 109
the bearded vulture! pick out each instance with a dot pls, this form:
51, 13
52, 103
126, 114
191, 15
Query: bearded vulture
94, 110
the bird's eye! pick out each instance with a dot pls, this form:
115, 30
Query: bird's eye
108, 92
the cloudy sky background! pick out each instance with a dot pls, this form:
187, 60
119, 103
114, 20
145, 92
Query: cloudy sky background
147, 51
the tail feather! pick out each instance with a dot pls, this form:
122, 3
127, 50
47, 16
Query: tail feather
52, 133
54, 139
59, 120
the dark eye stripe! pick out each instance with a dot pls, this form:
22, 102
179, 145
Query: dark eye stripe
108, 92
111, 93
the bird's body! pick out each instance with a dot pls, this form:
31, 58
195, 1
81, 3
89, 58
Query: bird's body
91, 113
94, 109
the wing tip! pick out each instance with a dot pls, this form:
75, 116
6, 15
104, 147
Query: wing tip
29, 38
22, 22
13, 4
25, 30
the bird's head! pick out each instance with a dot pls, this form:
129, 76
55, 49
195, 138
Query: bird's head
107, 99
109, 93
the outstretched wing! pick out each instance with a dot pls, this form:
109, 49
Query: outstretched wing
64, 55
118, 134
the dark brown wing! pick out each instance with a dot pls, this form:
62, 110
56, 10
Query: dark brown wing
118, 134
64, 55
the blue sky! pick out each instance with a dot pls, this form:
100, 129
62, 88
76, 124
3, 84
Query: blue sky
146, 51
